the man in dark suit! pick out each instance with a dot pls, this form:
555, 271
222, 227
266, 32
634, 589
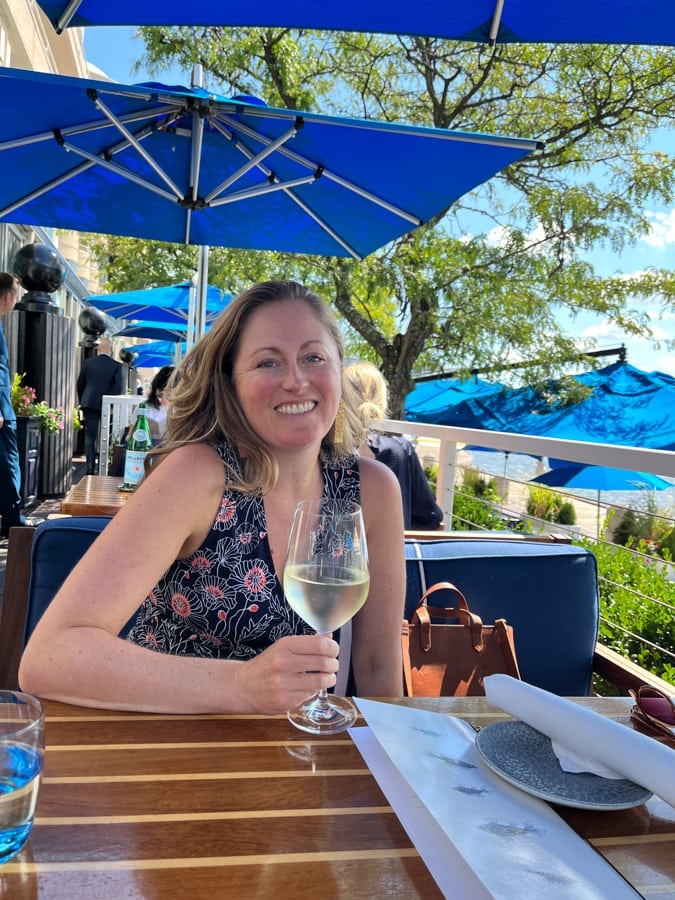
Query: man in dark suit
10, 473
99, 376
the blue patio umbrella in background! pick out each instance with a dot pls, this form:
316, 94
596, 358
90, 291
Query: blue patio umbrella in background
155, 331
189, 166
176, 304
576, 476
430, 399
156, 354
626, 406
577, 21
169, 304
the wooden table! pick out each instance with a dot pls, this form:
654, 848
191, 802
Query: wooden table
159, 806
95, 495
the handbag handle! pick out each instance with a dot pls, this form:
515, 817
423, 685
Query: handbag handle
462, 612
444, 586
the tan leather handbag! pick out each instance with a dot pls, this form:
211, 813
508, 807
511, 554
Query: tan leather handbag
442, 660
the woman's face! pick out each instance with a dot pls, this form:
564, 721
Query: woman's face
287, 375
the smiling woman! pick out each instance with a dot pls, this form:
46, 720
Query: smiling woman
250, 433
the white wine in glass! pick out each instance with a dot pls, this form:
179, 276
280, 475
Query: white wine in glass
326, 582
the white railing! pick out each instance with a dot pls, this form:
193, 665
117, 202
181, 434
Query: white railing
657, 462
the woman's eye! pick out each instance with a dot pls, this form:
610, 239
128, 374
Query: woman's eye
314, 358
266, 364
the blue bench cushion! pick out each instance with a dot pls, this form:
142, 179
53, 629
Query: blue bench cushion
58, 545
547, 592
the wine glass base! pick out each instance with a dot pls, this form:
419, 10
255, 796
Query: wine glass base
335, 715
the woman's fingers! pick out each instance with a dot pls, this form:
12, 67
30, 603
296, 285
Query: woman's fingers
290, 671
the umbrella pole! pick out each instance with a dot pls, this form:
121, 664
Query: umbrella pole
597, 530
192, 305
202, 283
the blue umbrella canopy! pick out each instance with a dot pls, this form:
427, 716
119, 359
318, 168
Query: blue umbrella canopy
159, 331
192, 167
577, 21
600, 478
577, 476
169, 304
431, 399
154, 354
626, 406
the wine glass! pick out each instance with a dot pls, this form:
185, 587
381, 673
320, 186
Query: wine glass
326, 582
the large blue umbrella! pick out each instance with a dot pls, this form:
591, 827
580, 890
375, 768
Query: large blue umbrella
430, 399
169, 304
577, 21
156, 331
626, 406
189, 166
155, 354
577, 476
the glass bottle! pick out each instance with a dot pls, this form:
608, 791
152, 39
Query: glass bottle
138, 444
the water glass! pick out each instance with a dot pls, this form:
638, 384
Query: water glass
21, 760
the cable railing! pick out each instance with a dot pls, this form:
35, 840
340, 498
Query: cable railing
636, 583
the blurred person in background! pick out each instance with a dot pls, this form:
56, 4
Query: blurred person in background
420, 509
99, 376
10, 473
157, 403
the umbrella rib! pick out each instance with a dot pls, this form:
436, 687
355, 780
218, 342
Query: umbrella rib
67, 15
348, 185
120, 170
496, 21
137, 146
61, 179
326, 227
196, 153
242, 148
260, 189
86, 127
270, 148
43, 189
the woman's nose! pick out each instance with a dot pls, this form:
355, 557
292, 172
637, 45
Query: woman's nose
294, 376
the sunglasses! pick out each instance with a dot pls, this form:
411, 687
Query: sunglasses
654, 709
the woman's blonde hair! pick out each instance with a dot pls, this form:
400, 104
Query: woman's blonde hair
370, 392
204, 405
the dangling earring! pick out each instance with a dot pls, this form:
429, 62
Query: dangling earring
339, 426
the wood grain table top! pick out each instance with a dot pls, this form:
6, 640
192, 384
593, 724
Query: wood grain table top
166, 806
95, 495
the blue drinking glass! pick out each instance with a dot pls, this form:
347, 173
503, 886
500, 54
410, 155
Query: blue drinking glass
21, 761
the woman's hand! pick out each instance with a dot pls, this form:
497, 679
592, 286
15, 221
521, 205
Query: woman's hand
290, 671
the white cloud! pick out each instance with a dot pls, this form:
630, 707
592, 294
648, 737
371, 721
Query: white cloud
661, 229
665, 364
609, 331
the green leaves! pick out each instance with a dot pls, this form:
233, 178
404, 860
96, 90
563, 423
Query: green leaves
485, 283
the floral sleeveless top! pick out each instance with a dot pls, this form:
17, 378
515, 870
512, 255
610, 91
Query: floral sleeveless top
225, 600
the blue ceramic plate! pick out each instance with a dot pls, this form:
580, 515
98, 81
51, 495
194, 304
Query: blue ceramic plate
524, 757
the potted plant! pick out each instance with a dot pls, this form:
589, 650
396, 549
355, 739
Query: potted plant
33, 417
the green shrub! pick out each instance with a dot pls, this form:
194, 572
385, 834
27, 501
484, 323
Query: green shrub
431, 473
636, 598
567, 514
475, 482
543, 503
472, 513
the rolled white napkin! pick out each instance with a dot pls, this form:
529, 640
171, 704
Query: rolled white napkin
586, 733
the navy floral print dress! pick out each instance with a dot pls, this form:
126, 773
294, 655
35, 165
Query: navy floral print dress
225, 600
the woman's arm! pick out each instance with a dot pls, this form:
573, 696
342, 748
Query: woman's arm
74, 654
376, 643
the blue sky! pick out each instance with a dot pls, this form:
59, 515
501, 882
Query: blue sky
115, 50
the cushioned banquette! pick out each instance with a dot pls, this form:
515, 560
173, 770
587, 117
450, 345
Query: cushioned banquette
548, 592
